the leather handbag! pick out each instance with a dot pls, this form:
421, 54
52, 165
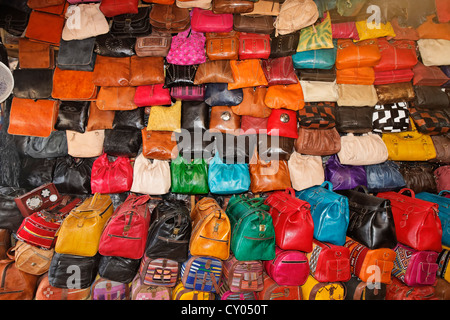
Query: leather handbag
222, 45
73, 175
111, 8
344, 30
181, 293
384, 177
344, 177
247, 73
31, 259
364, 262
268, 176
242, 276
81, 230
189, 177
254, 46
357, 54
429, 121
318, 142
404, 32
111, 45
224, 178
330, 212
218, 94
204, 20
14, 20
231, 6
309, 168
432, 29
112, 72
323, 59
395, 93
418, 176
146, 70
442, 11
253, 24
44, 115
195, 115
356, 289
152, 95
222, 119
274, 147
354, 119
118, 268
443, 213
289, 268
441, 146
419, 231
289, 97
131, 25
396, 54
72, 115
201, 273
279, 71
253, 125
315, 290
371, 219
33, 83
163, 118
214, 72
325, 75
187, 48
158, 272
367, 31
283, 123
188, 93
37, 4
253, 103
393, 76
283, 45
265, 8
150, 176
397, 290
35, 173
363, 150
111, 176
273, 291
105, 289
63, 88
179, 75
428, 76
157, 44
202, 4
85, 145
295, 15
77, 55
211, 230
431, 51
116, 98
360, 76
120, 142
47, 292
317, 115
292, 221
53, 146
35, 55
430, 97
357, 95
45, 27
329, 262
317, 36
441, 177
318, 91
169, 18
84, 21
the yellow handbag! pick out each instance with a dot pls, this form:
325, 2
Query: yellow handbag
409, 145
316, 36
81, 230
315, 290
377, 31
181, 293
163, 118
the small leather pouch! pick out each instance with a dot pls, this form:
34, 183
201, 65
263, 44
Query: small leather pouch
72, 115
99, 119
35, 55
232, 6
63, 88
253, 103
116, 98
157, 44
77, 55
33, 83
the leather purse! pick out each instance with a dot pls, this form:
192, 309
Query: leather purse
384, 176
218, 94
404, 32
391, 117
63, 88
285, 97
322, 59
354, 119
188, 93
396, 54
431, 29
203, 20
232, 6
441, 176
317, 36
431, 51
428, 76
131, 25
72, 115
264, 8
224, 178
305, 171
73, 175
77, 55
111, 8
368, 31
283, 45
283, 123
31, 259
129, 119
150, 176
361, 76
157, 44
116, 98
357, 54
318, 91
214, 72
418, 176
112, 72
33, 83
295, 15
344, 177
441, 144
169, 18
111, 176
318, 142
120, 142
363, 150
223, 119
357, 95
429, 121
35, 55
85, 145
163, 118
268, 176
45, 113
393, 76
344, 30
202, 4
187, 48
84, 21
179, 75
273, 291
111, 45
189, 177
295, 274
195, 115
152, 95
279, 71
395, 92
317, 115
159, 145
45, 27
324, 75
430, 97
253, 103
247, 73
274, 147
254, 46
253, 24
53, 146
222, 45
253, 125
11, 217
146, 71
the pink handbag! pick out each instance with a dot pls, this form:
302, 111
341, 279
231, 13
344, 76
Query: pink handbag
188, 93
152, 95
203, 20
344, 30
289, 268
442, 177
187, 48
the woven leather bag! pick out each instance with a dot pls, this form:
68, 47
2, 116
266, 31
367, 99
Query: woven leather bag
429, 121
317, 115
295, 15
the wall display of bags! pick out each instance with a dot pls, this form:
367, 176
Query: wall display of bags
224, 150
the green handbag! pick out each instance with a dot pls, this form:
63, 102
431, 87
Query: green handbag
252, 231
316, 36
189, 177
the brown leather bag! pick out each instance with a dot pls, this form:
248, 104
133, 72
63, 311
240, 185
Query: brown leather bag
268, 176
222, 45
146, 71
253, 103
157, 44
160, 145
116, 98
45, 27
35, 55
31, 259
442, 289
318, 142
223, 119
253, 24
111, 71
5, 242
394, 92
232, 6
431, 30
99, 119
218, 71
36, 4
64, 88
442, 146
169, 18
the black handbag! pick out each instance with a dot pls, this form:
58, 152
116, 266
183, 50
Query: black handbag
194, 115
430, 97
119, 142
354, 119
384, 177
13, 20
10, 216
431, 121
284, 45
371, 222
327, 75
36, 172
73, 115
356, 289
275, 147
110, 45
179, 75
73, 175
53, 146
129, 119
392, 117
217, 94
77, 55
118, 268
132, 24
33, 83
63, 266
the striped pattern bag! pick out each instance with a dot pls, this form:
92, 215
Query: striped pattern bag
243, 276
159, 272
202, 273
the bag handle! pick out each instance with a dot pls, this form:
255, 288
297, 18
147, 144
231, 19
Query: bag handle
363, 187
327, 185
94, 199
443, 192
412, 194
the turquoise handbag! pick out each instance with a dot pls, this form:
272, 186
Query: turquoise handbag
330, 212
316, 59
227, 178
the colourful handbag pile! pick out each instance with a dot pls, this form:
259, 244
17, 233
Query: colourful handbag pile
225, 149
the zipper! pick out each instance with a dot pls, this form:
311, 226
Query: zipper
226, 241
172, 240
252, 238
123, 237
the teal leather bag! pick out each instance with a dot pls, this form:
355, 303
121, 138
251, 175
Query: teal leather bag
316, 59
226, 178
189, 177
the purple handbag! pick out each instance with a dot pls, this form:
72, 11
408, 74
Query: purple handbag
446, 71
188, 93
344, 177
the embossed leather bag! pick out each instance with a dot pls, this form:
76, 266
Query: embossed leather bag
157, 44
165, 118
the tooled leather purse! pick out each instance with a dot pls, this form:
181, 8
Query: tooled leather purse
169, 18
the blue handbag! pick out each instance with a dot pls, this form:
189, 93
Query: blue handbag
316, 59
330, 212
217, 94
227, 178
444, 211
384, 177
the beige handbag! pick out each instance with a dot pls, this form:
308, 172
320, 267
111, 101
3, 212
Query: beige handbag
305, 171
295, 15
84, 21
163, 118
319, 91
265, 8
434, 52
202, 4
85, 145
151, 177
357, 95
363, 150
32, 259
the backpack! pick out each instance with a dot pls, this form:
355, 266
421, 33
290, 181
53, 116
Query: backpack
202, 273
159, 272
315, 290
290, 267
141, 291
243, 276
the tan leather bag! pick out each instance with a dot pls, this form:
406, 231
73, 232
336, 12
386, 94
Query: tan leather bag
357, 95
151, 176
223, 119
31, 259
253, 103
85, 145
35, 55
116, 98
295, 15
111, 72
232, 6
318, 142
305, 171
146, 70
203, 4
268, 176
211, 230
157, 44
318, 91
84, 21
169, 18
363, 150
434, 52
99, 119
265, 8
218, 71
222, 45
159, 145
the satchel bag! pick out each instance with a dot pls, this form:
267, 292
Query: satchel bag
396, 54
362, 150
222, 45
344, 30
84, 21
289, 268
384, 176
189, 177
218, 94
111, 176
13, 19
252, 103
111, 8
147, 172
226, 178
159, 145
429, 121
254, 46
318, 142
305, 171
295, 15
169, 18
111, 45
264, 8
33, 83
292, 221
354, 119
268, 176
273, 291
63, 88
157, 44
247, 73
129, 119
285, 97
390, 117
253, 24
357, 95
322, 59
35, 55
78, 55
73, 175
395, 92
357, 54
203, 20
317, 36
317, 115
214, 72
344, 177
163, 118
242, 276
330, 212
418, 176
202, 4
152, 95
81, 230
31, 259
187, 48
131, 25
282, 45
72, 115
371, 219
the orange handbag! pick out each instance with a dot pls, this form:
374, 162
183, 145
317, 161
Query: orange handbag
45, 27
285, 97
431, 30
268, 176
362, 75
253, 103
116, 98
146, 71
111, 71
73, 85
35, 118
352, 54
247, 73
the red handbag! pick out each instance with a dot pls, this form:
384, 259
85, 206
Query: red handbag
111, 8
428, 76
125, 235
344, 30
396, 55
292, 221
393, 76
153, 95
442, 177
254, 46
283, 123
397, 290
279, 71
443, 10
253, 125
289, 268
417, 222
111, 177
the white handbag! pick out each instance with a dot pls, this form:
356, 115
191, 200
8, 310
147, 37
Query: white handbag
151, 177
84, 21
85, 145
363, 150
305, 171
202, 4
434, 52
319, 91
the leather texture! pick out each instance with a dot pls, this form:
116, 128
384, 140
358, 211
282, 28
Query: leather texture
285, 97
45, 27
72, 115
254, 46
150, 176
152, 95
222, 45
224, 178
289, 268
308, 167
113, 46
90, 22
33, 83
77, 55
156, 44
116, 98
63, 88
204, 20
247, 73
268, 176
318, 142
214, 72
169, 18
357, 54
344, 177
35, 55
189, 177
111, 176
